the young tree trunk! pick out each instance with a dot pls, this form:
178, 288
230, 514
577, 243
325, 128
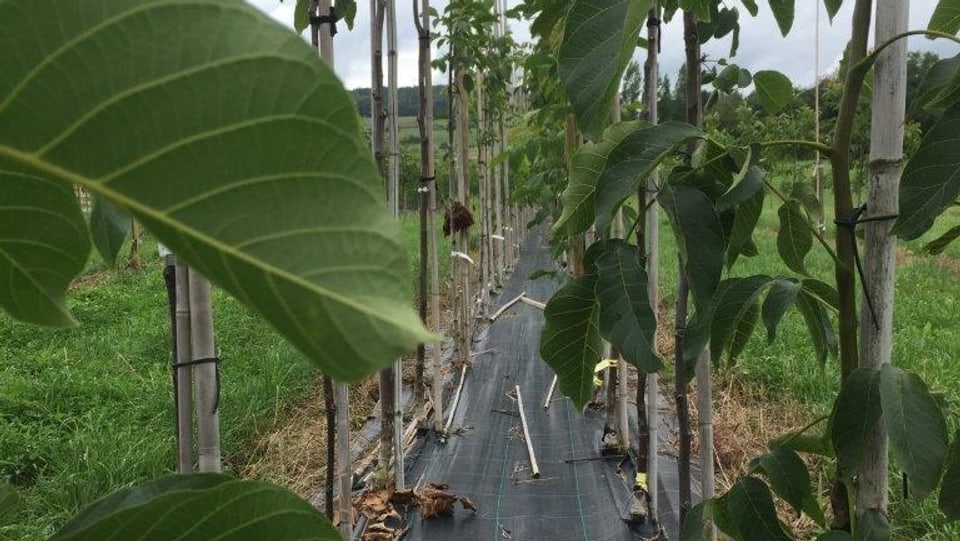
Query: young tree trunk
428, 202
650, 242
846, 241
692, 46
576, 245
330, 416
206, 379
184, 353
483, 293
886, 163
133, 259
463, 194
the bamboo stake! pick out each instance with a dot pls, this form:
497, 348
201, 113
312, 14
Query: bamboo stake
397, 405
886, 164
534, 467
184, 372
206, 378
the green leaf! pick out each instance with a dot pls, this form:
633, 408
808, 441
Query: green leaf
109, 227
872, 526
701, 8
946, 17
747, 188
801, 442
199, 506
626, 319
783, 12
833, 6
269, 189
950, 490
818, 325
699, 238
347, 11
782, 295
752, 511
915, 426
698, 523
744, 222
774, 89
931, 180
940, 78
736, 312
795, 238
790, 480
598, 41
45, 243
939, 244
856, 411
570, 341
301, 15
751, 6
823, 292
9, 499
607, 172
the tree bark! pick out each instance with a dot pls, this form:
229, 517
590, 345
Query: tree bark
886, 164
846, 240
429, 200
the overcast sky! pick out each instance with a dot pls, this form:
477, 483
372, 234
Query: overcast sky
761, 46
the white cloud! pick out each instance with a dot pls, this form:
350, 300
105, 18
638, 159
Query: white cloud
761, 45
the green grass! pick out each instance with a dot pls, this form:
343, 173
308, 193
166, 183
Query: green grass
926, 320
88, 410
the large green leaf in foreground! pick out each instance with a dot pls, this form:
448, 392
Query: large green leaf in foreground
599, 39
228, 138
570, 341
211, 507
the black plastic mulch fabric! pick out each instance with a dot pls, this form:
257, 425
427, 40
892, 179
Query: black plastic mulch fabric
579, 496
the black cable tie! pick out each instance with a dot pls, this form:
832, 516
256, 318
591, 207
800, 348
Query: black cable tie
851, 224
194, 362
427, 179
331, 19
206, 360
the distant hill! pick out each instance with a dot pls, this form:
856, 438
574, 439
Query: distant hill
408, 101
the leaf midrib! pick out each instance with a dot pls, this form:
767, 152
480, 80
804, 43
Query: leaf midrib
223, 248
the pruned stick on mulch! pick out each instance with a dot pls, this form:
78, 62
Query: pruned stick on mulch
507, 306
549, 398
531, 302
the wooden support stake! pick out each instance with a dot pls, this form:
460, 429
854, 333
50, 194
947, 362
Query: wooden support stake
534, 467
553, 386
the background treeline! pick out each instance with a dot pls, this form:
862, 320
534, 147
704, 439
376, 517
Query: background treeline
408, 99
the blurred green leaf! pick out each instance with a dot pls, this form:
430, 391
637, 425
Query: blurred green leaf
199, 506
